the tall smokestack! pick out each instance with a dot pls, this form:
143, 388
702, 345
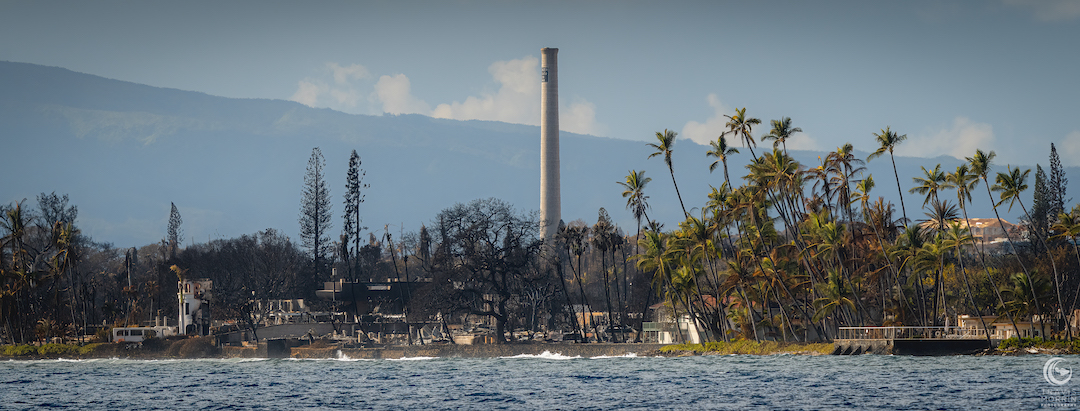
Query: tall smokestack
550, 197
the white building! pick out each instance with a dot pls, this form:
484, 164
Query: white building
194, 299
1001, 328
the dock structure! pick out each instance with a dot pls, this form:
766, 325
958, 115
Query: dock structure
911, 340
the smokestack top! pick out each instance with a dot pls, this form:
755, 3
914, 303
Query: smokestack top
548, 49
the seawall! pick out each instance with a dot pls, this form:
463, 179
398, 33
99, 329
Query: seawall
272, 349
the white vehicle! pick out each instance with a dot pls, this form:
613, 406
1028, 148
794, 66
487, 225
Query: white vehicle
139, 334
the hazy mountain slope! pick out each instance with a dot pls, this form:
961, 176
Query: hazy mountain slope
123, 151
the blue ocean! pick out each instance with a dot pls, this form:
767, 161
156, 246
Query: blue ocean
543, 382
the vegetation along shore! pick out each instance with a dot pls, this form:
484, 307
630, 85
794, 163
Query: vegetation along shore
792, 253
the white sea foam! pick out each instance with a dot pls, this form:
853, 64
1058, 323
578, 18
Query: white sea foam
546, 355
601, 357
411, 358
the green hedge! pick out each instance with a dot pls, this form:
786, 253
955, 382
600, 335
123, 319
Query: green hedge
47, 350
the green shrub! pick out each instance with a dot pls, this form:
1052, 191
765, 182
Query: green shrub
57, 350
1016, 343
18, 350
88, 348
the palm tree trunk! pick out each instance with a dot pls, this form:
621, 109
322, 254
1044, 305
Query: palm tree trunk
1012, 246
1057, 284
898, 189
566, 292
971, 297
672, 170
986, 268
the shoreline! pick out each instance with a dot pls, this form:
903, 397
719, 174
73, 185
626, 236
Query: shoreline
200, 348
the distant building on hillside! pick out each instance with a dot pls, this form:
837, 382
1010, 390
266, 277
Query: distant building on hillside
988, 229
988, 234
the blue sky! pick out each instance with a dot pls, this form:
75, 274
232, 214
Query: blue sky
998, 75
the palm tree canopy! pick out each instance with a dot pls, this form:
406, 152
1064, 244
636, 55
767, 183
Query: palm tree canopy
781, 131
963, 180
741, 125
721, 150
929, 183
634, 192
665, 143
1011, 185
980, 162
887, 141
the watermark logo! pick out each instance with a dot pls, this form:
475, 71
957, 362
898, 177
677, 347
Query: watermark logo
1056, 374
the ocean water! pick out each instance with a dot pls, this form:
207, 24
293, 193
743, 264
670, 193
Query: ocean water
543, 382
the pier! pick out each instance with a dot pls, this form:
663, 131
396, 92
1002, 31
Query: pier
911, 340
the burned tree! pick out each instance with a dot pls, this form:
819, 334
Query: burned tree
485, 259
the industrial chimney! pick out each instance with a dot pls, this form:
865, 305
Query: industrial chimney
550, 197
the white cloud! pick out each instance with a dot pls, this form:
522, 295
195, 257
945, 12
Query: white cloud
515, 97
960, 140
307, 92
517, 100
580, 117
1070, 149
802, 141
340, 94
395, 94
703, 133
1049, 10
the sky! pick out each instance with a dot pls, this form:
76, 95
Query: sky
951, 75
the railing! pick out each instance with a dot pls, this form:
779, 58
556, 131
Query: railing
892, 333
658, 326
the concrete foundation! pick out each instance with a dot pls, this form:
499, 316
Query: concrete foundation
910, 346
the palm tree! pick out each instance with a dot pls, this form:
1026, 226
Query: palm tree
721, 151
981, 163
822, 176
963, 180
657, 259
1011, 185
603, 240
1068, 225
781, 131
664, 145
929, 184
575, 244
1017, 291
956, 237
21, 277
845, 165
906, 250
832, 240
741, 126
888, 140
833, 296
696, 237
636, 200
938, 218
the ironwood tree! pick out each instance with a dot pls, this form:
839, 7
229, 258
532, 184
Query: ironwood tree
174, 236
350, 232
315, 217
